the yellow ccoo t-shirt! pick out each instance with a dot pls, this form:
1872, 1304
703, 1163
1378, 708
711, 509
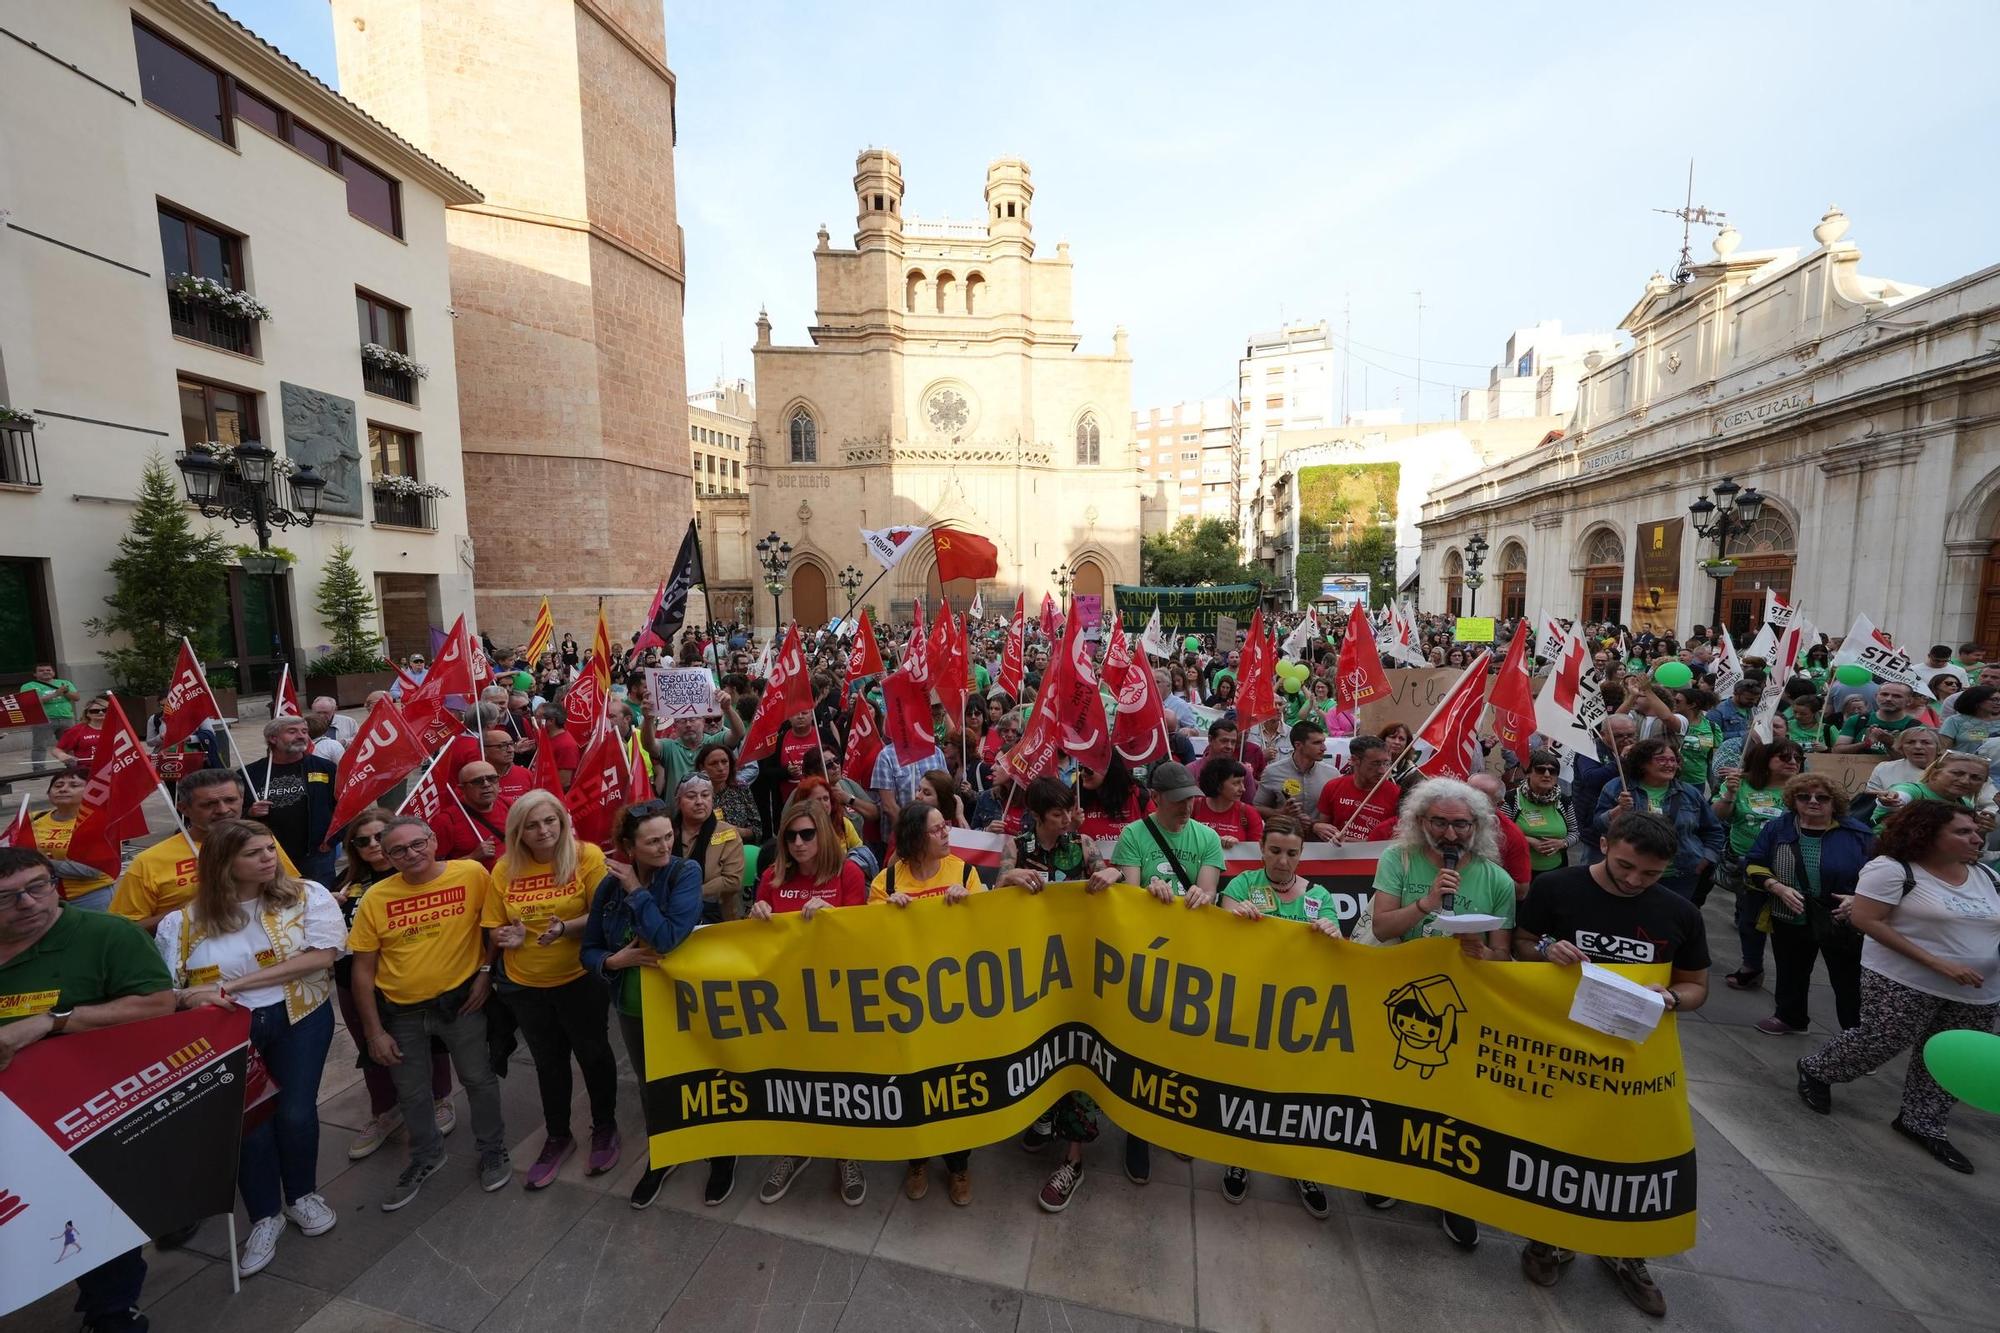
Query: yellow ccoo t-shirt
534, 899
162, 878
52, 840
426, 937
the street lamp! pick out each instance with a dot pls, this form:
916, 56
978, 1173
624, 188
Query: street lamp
1475, 556
850, 583
775, 554
1389, 578
1733, 509
1062, 578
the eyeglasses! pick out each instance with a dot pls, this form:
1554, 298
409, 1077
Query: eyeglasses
409, 848
491, 780
1545, 768
1454, 825
801, 834
1814, 798
9, 900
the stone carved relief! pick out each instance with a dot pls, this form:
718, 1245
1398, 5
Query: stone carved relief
320, 430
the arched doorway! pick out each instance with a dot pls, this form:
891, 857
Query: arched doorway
1087, 580
1604, 577
1513, 581
1454, 584
809, 595
959, 591
1764, 554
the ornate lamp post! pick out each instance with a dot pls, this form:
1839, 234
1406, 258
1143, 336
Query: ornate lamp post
1062, 578
1475, 556
239, 487
1733, 509
850, 583
775, 554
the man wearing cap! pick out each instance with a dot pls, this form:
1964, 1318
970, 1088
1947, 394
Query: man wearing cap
1171, 855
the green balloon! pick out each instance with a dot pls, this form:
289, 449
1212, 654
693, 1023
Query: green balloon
1291, 685
1674, 675
1852, 674
1966, 1064
1192, 643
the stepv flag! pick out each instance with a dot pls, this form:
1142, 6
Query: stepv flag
1784, 661
285, 702
1399, 642
1513, 698
542, 635
1153, 640
789, 692
1256, 675
1140, 731
603, 781
670, 606
115, 1136
1569, 709
384, 751
114, 804
1358, 675
1549, 639
1013, 657
963, 555
1302, 635
864, 741
889, 545
1452, 730
1868, 647
1777, 611
22, 710
189, 702
977, 611
1728, 666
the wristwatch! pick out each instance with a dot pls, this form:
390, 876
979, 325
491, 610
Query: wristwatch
1673, 1000
486, 967
1543, 944
59, 1019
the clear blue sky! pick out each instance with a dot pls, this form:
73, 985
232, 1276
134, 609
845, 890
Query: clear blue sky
1218, 169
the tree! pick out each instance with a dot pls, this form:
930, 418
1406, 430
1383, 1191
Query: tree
346, 608
1195, 551
167, 580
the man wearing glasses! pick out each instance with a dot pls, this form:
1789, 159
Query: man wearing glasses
67, 970
423, 969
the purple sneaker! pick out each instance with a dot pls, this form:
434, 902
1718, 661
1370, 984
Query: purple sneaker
554, 1152
604, 1146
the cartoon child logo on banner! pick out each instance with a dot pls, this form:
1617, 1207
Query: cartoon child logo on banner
1423, 1019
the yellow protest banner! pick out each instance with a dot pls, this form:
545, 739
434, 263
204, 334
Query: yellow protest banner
884, 1033
1473, 629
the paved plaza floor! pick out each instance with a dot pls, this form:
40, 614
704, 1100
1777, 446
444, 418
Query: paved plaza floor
1806, 1223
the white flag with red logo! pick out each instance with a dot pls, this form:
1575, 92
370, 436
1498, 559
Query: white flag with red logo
1569, 710
1452, 730
1549, 640
384, 751
114, 804
1728, 666
189, 702
1400, 642
285, 700
890, 545
1785, 660
1868, 647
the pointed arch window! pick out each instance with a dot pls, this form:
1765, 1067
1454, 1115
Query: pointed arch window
805, 437
1088, 442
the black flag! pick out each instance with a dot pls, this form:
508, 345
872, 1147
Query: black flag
671, 613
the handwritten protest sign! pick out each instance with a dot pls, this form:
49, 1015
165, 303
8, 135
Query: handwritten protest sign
1849, 772
673, 693
1413, 694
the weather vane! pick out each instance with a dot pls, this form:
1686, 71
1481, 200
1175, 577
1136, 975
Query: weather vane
1690, 214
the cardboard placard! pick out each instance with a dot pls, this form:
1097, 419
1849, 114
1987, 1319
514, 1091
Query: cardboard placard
673, 693
1473, 629
1848, 772
1225, 634
1414, 694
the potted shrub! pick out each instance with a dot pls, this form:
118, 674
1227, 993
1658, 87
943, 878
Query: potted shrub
352, 666
167, 581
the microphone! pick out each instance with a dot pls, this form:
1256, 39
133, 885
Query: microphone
1448, 901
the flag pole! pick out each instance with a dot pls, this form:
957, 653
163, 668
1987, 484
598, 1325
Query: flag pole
708, 605
442, 751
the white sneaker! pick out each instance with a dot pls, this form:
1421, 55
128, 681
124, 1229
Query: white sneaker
311, 1214
378, 1132
262, 1245
447, 1116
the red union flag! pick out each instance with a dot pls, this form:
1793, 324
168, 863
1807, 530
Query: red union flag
1257, 675
1013, 661
1452, 730
789, 692
864, 741
1514, 697
22, 710
1358, 675
1140, 733
603, 778
440, 810
1086, 734
114, 804
948, 655
864, 658
383, 753
189, 701
450, 674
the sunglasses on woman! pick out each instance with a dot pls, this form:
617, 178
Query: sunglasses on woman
1545, 768
801, 834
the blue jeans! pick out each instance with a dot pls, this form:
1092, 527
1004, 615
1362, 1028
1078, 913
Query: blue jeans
113, 1286
1749, 906
280, 1158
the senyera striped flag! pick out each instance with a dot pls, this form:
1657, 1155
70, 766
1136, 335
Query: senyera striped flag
1346, 870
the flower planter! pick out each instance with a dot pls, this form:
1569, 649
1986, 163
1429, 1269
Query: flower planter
349, 690
1720, 570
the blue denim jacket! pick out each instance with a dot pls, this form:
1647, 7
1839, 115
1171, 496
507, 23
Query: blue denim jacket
1699, 833
616, 916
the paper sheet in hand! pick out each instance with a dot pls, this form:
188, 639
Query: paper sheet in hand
1607, 1002
1467, 923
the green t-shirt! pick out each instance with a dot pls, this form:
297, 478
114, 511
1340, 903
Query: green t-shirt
1697, 749
1656, 797
1483, 889
1967, 734
679, 759
1542, 821
1754, 807
1254, 886
983, 676
54, 702
1856, 727
1196, 845
1808, 736
86, 958
1916, 791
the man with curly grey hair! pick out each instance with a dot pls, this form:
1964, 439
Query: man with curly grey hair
1446, 862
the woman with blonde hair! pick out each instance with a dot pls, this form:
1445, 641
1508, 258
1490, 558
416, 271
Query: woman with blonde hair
542, 887
254, 937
